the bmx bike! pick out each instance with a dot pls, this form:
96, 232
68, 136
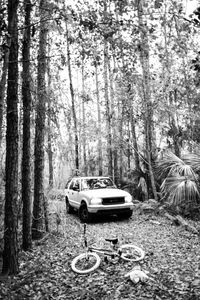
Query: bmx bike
90, 260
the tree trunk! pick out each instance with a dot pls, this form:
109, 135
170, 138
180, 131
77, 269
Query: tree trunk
26, 155
83, 118
46, 213
133, 132
113, 125
148, 121
10, 253
100, 155
49, 146
108, 115
3, 87
73, 104
38, 206
120, 128
129, 150
50, 154
169, 95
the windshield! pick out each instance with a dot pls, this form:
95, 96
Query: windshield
96, 183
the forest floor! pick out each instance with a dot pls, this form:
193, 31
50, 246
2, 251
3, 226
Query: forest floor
172, 260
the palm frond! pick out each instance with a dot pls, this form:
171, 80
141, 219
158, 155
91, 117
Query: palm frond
179, 190
171, 165
193, 160
166, 163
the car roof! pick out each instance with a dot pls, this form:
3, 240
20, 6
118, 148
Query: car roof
89, 177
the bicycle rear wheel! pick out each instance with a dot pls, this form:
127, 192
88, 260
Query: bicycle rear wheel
131, 252
85, 263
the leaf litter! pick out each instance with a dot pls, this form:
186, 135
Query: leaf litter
172, 261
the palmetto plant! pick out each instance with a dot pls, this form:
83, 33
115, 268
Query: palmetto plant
180, 180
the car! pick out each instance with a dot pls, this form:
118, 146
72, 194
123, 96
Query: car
96, 195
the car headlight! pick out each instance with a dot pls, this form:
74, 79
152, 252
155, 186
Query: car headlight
128, 198
96, 201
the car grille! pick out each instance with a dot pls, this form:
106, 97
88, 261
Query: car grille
112, 201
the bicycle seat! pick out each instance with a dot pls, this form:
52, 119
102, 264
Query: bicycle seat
112, 240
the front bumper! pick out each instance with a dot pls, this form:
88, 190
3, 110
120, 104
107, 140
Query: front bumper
110, 209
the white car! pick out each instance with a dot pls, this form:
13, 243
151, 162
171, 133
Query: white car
96, 195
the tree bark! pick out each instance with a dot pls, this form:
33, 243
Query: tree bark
106, 95
83, 118
170, 95
10, 252
100, 155
50, 155
113, 124
26, 155
120, 128
49, 142
133, 132
38, 205
73, 103
3, 87
144, 60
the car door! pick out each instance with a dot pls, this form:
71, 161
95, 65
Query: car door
74, 189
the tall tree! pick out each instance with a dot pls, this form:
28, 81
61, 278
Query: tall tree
113, 121
38, 205
83, 112
49, 147
10, 253
170, 96
100, 154
73, 100
3, 86
107, 100
148, 110
5, 42
26, 155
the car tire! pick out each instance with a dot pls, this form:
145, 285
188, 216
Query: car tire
125, 215
69, 208
84, 215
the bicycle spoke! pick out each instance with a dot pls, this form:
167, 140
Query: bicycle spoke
131, 252
85, 263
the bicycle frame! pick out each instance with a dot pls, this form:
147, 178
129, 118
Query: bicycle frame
107, 252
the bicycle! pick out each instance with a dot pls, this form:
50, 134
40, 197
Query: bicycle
90, 260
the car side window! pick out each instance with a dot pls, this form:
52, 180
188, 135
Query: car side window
67, 184
71, 185
84, 185
76, 184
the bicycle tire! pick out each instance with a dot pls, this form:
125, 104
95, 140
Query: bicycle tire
136, 253
84, 260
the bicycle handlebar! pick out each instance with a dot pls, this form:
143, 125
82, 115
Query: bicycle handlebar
84, 228
84, 233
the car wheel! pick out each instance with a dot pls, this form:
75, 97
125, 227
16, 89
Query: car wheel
126, 215
84, 215
69, 208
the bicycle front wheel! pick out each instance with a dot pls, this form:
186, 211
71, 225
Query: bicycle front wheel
131, 252
85, 263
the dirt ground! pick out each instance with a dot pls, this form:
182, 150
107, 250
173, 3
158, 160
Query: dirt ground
172, 258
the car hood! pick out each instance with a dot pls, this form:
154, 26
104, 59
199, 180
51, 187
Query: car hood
105, 193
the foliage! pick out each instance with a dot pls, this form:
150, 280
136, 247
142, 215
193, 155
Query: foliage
180, 185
